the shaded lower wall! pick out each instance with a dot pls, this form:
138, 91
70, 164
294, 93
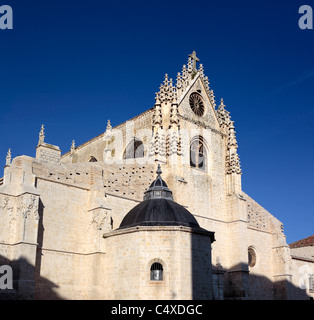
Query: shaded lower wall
125, 279
24, 281
242, 284
184, 255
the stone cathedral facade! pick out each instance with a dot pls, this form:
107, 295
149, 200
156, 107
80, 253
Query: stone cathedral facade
62, 216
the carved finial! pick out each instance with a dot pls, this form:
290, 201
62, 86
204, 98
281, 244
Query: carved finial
41, 135
109, 126
8, 158
232, 140
190, 65
159, 172
108, 134
179, 81
166, 79
201, 70
73, 147
157, 101
222, 105
166, 92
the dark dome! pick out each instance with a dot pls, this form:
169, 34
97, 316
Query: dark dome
159, 209
159, 212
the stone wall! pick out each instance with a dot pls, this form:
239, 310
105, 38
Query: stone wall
184, 255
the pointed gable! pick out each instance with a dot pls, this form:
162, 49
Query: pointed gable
195, 98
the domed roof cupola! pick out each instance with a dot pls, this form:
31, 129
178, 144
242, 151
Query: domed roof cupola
158, 189
159, 209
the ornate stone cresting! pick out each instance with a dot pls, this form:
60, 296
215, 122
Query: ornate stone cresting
167, 119
207, 87
166, 132
189, 73
167, 92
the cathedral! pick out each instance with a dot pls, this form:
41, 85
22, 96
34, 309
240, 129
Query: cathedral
150, 209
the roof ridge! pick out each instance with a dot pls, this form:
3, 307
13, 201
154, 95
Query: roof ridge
306, 242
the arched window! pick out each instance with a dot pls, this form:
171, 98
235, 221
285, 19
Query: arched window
93, 159
198, 154
135, 149
156, 272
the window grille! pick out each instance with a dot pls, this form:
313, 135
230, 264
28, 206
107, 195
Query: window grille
156, 272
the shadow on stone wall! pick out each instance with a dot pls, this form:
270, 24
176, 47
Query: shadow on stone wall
24, 285
240, 283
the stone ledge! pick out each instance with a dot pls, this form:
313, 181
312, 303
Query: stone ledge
160, 228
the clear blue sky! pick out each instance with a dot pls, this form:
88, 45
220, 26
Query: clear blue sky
73, 64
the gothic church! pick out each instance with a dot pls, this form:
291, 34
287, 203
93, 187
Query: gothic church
150, 209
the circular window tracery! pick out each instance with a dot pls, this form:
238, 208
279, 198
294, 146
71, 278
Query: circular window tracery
197, 104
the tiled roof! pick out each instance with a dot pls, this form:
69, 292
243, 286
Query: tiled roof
306, 242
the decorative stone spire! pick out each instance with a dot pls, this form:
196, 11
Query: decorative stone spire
41, 135
157, 145
8, 158
201, 70
223, 116
174, 135
179, 81
190, 65
232, 140
166, 92
232, 157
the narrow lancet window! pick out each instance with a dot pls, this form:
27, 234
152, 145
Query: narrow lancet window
198, 154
